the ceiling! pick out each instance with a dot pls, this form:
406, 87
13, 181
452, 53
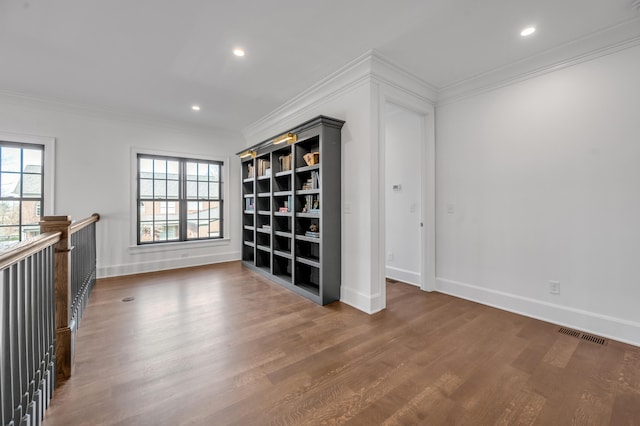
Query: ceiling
157, 58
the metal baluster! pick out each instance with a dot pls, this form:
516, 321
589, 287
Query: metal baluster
14, 345
6, 387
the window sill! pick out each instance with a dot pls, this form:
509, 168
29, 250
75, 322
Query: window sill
178, 245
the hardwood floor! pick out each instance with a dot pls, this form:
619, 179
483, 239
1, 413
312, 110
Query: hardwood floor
219, 345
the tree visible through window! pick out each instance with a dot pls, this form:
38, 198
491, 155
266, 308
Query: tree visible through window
21, 189
179, 199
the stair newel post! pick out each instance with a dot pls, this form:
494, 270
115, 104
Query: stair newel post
65, 330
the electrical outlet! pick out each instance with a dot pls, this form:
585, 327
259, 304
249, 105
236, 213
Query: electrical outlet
554, 287
389, 255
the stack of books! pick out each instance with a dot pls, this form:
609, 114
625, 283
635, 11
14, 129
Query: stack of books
313, 182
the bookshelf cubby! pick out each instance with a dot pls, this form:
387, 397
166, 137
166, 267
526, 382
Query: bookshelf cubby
291, 217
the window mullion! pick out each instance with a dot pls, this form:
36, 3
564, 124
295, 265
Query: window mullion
182, 214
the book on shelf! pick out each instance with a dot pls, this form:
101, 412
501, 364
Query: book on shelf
250, 170
313, 182
283, 209
266, 227
248, 204
264, 167
285, 162
312, 234
311, 204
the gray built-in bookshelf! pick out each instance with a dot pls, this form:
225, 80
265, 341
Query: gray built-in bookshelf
291, 209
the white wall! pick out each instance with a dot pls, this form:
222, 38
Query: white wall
403, 135
353, 106
540, 181
93, 157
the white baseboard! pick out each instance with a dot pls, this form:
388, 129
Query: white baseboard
602, 325
409, 277
165, 264
360, 301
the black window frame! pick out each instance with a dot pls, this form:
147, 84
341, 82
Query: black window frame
183, 199
21, 197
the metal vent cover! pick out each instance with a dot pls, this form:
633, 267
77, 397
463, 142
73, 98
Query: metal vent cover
584, 336
570, 332
593, 339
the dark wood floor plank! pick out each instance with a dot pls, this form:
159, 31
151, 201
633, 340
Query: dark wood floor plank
220, 345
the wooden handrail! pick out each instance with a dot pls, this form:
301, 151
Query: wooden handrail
27, 248
76, 226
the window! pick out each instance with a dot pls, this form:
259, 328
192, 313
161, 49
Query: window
21, 191
179, 199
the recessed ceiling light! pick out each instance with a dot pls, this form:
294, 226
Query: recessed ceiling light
195, 108
238, 52
528, 31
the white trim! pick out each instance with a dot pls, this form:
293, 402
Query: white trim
49, 143
378, 196
178, 245
605, 42
417, 105
165, 264
360, 301
386, 71
133, 207
352, 75
601, 325
398, 274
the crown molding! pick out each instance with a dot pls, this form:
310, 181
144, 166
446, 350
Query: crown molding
344, 79
601, 43
368, 67
386, 71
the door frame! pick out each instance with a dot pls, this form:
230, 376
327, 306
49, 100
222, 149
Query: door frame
411, 103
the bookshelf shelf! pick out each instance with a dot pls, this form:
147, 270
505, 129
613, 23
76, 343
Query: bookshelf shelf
315, 240
307, 168
292, 217
282, 254
283, 173
308, 215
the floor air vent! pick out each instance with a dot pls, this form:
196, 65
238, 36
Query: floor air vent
570, 332
594, 339
584, 336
